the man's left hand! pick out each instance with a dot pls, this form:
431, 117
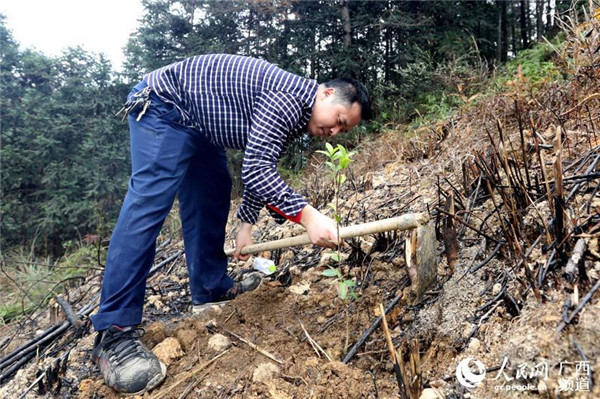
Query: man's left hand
243, 239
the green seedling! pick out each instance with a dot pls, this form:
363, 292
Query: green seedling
339, 159
345, 287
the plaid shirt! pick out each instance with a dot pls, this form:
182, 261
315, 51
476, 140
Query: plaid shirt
243, 103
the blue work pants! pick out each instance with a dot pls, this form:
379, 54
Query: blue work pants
167, 159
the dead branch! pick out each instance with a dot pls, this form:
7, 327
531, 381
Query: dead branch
371, 328
393, 355
213, 327
583, 302
571, 270
69, 312
317, 348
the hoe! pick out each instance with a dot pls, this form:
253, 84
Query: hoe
420, 247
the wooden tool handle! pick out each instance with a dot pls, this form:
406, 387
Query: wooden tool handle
404, 222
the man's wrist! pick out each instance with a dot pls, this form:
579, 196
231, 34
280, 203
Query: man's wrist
307, 213
245, 226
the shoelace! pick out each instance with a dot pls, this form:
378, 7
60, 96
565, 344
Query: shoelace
122, 345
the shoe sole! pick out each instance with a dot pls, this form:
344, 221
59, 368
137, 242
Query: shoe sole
153, 383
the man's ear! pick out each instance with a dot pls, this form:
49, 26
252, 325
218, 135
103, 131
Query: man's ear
328, 92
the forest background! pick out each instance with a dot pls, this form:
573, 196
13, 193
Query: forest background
64, 155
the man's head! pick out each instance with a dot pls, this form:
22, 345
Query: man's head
340, 105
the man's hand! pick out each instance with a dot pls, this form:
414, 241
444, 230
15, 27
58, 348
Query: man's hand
321, 229
243, 239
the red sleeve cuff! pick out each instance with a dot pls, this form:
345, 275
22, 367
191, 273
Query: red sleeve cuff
295, 219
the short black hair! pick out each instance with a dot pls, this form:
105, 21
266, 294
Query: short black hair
350, 91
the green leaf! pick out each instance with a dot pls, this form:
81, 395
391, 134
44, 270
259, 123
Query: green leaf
330, 164
338, 218
330, 272
329, 148
337, 155
332, 206
349, 283
272, 268
341, 179
322, 152
343, 290
335, 257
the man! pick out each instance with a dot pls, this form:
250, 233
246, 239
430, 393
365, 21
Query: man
182, 117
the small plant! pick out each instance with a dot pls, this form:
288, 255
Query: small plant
339, 160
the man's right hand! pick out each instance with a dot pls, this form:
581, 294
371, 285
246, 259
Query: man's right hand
321, 229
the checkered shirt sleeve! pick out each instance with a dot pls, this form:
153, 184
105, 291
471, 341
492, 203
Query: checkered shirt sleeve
275, 115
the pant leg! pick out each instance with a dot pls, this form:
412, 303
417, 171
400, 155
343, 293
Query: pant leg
204, 200
160, 154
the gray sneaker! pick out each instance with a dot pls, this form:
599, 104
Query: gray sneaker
125, 363
250, 283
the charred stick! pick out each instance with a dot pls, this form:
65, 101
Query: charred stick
588, 171
525, 160
587, 176
499, 215
449, 233
164, 262
583, 302
578, 163
530, 250
589, 203
473, 269
40, 340
472, 200
496, 298
30, 352
370, 330
458, 196
566, 307
544, 270
591, 122
468, 225
585, 359
69, 312
482, 319
545, 177
16, 366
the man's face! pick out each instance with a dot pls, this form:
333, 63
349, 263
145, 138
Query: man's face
330, 117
